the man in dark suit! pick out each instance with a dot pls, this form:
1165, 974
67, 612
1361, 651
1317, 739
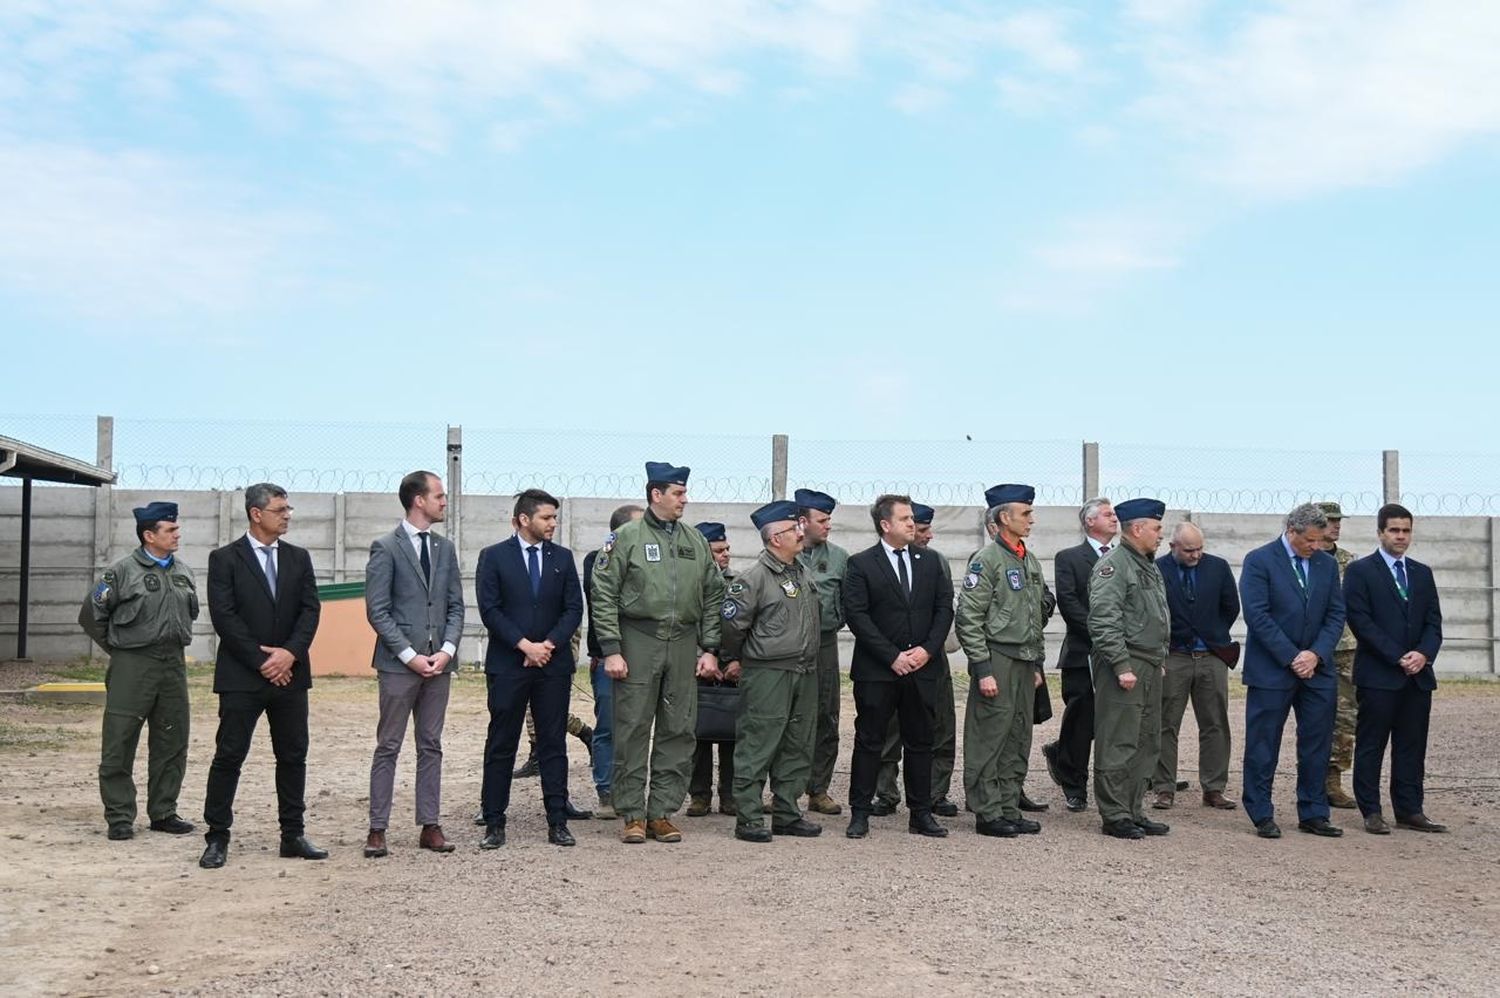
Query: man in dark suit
1294, 614
899, 605
263, 600
1203, 605
1068, 757
1395, 616
531, 603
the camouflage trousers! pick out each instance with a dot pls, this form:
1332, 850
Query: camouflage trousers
1341, 759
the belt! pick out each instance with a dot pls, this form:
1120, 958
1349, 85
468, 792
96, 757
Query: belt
1192, 654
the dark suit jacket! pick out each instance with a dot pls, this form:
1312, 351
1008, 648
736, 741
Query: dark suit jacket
590, 639
1215, 608
1072, 566
1387, 626
511, 613
885, 623
245, 616
1282, 619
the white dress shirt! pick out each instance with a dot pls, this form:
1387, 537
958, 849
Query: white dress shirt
890, 554
1099, 546
272, 549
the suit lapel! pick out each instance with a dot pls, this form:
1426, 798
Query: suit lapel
887, 569
253, 560
405, 550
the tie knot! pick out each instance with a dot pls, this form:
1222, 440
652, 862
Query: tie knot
1104, 549
422, 534
531, 548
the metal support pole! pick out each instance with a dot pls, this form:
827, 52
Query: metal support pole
1090, 471
1390, 475
24, 598
778, 465
456, 489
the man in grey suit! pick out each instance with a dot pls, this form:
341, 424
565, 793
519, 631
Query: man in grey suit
414, 599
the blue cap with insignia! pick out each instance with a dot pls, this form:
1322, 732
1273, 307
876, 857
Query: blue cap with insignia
774, 512
1140, 509
999, 495
712, 532
921, 512
660, 471
813, 499
155, 512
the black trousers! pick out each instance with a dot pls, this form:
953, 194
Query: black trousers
911, 700
239, 713
1075, 734
510, 692
702, 782
1399, 717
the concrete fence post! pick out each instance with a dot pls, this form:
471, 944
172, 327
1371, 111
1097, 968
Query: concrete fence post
456, 489
340, 541
1390, 475
1494, 595
1090, 470
778, 465
104, 502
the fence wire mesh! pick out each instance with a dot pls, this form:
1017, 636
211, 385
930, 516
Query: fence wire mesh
1439, 484
936, 472
1240, 480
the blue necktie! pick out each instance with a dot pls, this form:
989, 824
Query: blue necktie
1401, 586
534, 566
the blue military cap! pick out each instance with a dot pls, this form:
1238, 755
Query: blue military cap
712, 531
921, 512
660, 471
774, 512
813, 499
1140, 509
155, 512
999, 495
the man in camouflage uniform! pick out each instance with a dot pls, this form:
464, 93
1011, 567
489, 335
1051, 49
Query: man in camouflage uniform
826, 563
1341, 760
1129, 628
700, 787
771, 627
657, 600
141, 613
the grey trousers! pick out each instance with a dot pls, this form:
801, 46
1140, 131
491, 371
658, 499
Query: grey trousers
405, 695
1204, 680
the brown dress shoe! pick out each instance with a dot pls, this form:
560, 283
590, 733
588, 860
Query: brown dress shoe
634, 833
1164, 800
375, 844
823, 804
698, 807
432, 839
1216, 798
727, 805
663, 830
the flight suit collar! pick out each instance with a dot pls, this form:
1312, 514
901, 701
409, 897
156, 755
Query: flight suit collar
660, 524
149, 562
775, 564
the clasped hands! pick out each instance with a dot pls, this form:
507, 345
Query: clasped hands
910, 661
277, 668
1412, 662
538, 653
428, 666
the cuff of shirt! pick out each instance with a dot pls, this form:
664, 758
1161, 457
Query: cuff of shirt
407, 654
450, 649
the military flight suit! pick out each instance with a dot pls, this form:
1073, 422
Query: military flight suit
1341, 760
826, 564
657, 599
142, 616
1130, 627
1002, 608
772, 626
700, 787
944, 735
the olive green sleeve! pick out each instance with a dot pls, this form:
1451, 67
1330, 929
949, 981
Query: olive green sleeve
713, 604
1107, 618
736, 616
974, 598
93, 616
609, 575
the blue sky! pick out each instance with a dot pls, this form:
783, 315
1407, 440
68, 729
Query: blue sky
1161, 221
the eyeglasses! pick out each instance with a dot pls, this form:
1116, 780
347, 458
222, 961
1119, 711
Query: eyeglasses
278, 510
786, 530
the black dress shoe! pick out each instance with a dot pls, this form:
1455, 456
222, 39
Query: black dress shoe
1320, 826
1268, 829
576, 813
1419, 823
1375, 825
559, 835
1049, 752
215, 854
300, 847
945, 808
753, 833
528, 769
1027, 804
801, 828
1026, 826
1077, 802
494, 837
1182, 784
882, 808
479, 819
1123, 829
1000, 828
859, 825
172, 825
1153, 827
120, 831
923, 823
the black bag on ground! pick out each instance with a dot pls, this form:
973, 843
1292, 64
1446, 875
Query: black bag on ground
718, 707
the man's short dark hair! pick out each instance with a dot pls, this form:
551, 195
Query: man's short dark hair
884, 507
259, 495
141, 529
413, 487
656, 487
623, 515
1391, 511
528, 502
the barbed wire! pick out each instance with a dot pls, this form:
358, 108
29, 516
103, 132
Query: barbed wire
603, 485
932, 493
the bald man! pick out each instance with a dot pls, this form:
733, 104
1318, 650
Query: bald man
1204, 604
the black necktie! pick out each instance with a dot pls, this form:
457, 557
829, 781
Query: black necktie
426, 558
1190, 583
901, 571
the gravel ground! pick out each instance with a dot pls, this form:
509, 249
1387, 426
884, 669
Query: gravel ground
1209, 908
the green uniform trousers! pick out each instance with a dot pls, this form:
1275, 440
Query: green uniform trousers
773, 737
944, 749
1127, 737
660, 689
997, 739
1342, 757
1204, 680
826, 738
143, 688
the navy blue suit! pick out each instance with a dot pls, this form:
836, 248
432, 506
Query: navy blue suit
1283, 619
511, 612
1393, 707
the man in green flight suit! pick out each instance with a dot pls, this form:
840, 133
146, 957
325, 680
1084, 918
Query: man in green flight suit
1129, 627
141, 613
1341, 759
1002, 609
657, 598
771, 627
826, 563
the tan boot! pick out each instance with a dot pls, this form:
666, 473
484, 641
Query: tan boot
823, 804
663, 830
1335, 788
634, 833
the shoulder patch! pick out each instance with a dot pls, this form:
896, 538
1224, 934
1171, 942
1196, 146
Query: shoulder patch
101, 594
976, 567
110, 577
1106, 571
730, 610
609, 543
602, 562
971, 581
735, 588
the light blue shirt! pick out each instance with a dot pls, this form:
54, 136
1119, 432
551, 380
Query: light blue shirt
1293, 555
1390, 566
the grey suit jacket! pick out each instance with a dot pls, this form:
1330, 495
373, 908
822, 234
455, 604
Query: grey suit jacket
403, 609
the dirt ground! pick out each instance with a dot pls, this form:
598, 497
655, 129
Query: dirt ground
1208, 909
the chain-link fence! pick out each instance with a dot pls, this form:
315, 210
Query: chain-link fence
1241, 480
937, 472
1440, 484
